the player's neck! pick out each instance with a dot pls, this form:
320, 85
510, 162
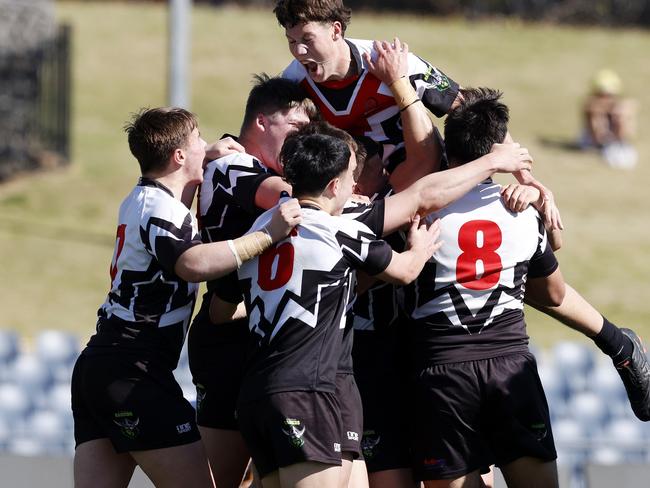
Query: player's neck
319, 203
248, 141
347, 66
180, 189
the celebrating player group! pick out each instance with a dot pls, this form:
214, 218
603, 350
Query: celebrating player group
363, 324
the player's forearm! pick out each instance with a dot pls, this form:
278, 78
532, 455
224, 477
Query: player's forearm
436, 191
423, 150
205, 262
422, 146
215, 259
405, 267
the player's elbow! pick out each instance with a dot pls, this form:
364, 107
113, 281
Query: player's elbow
188, 266
556, 296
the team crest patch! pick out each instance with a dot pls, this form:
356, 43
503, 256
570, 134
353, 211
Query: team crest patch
539, 430
436, 79
369, 443
128, 423
294, 429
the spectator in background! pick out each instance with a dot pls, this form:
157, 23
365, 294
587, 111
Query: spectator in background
609, 121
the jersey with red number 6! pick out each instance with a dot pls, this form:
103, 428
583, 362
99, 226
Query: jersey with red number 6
296, 294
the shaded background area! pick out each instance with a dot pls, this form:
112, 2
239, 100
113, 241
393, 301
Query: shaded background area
57, 227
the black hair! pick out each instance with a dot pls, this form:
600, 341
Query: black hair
275, 94
480, 121
311, 161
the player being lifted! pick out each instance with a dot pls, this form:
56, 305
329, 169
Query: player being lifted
127, 407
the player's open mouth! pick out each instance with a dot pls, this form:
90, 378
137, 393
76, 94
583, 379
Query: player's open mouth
311, 66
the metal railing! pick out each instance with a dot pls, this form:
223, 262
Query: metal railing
35, 103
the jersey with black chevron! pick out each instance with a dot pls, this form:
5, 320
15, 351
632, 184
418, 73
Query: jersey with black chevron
468, 300
296, 294
148, 307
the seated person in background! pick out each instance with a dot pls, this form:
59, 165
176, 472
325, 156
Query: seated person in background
609, 120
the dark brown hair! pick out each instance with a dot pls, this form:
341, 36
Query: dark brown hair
154, 134
293, 12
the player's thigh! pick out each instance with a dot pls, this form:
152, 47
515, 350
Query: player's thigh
97, 465
488, 478
309, 475
470, 480
393, 478
178, 466
529, 472
358, 475
227, 453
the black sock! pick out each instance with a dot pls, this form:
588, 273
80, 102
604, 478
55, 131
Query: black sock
613, 342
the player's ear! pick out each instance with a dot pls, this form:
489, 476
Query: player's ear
337, 32
333, 187
260, 121
178, 157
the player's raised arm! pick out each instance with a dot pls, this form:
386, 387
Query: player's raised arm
423, 150
437, 190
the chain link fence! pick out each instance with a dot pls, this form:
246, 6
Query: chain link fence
35, 87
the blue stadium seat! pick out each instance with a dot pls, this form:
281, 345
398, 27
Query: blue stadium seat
58, 350
605, 382
555, 387
30, 373
9, 349
5, 432
26, 446
574, 360
589, 410
15, 404
49, 429
58, 397
606, 455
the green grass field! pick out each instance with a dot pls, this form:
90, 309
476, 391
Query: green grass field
57, 228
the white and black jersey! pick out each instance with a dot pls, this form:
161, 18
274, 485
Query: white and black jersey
226, 206
148, 308
377, 307
226, 210
296, 295
372, 216
364, 106
468, 301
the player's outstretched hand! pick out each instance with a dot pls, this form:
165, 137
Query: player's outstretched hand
548, 207
510, 157
284, 218
517, 197
423, 238
391, 63
222, 147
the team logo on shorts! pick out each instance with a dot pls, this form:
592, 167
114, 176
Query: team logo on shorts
128, 423
436, 79
200, 396
294, 429
539, 430
369, 443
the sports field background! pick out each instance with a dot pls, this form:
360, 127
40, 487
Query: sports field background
57, 228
